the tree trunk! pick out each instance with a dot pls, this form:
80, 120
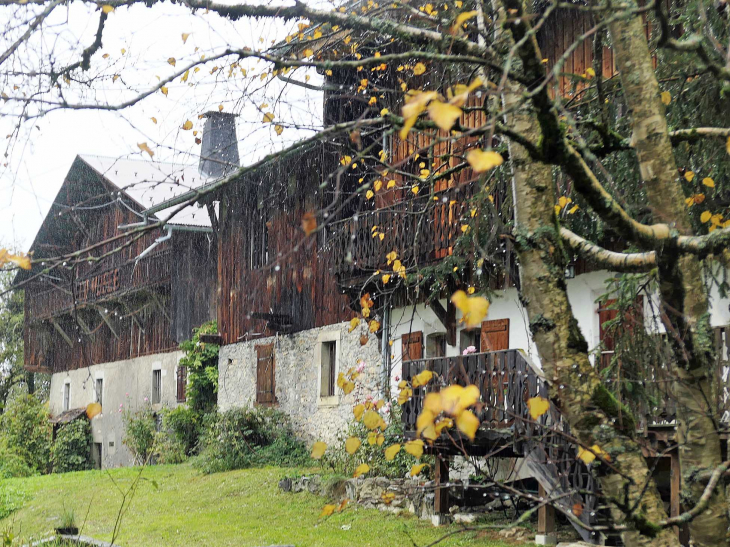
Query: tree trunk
684, 299
594, 415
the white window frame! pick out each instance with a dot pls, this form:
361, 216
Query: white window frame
97, 398
156, 370
66, 396
329, 336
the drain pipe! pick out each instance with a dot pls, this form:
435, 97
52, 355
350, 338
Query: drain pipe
144, 222
148, 250
385, 350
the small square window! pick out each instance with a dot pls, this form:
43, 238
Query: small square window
156, 386
328, 367
471, 337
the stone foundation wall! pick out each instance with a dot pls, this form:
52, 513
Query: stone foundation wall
297, 377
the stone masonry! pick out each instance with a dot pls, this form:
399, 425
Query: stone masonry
297, 377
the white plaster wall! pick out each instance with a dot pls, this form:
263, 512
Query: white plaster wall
297, 377
126, 386
583, 291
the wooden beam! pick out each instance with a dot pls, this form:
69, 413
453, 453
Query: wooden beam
441, 476
63, 334
84, 327
545, 519
107, 320
447, 317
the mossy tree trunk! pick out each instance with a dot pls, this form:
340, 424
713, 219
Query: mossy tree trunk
684, 297
593, 413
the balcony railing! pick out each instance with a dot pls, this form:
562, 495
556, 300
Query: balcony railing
421, 232
102, 285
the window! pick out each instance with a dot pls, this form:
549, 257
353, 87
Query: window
182, 384
436, 345
412, 346
494, 335
99, 391
156, 386
66, 396
328, 367
96, 455
470, 337
265, 375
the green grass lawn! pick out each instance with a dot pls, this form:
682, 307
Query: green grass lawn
177, 505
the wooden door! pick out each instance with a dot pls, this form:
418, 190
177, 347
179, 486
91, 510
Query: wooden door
265, 375
494, 335
412, 346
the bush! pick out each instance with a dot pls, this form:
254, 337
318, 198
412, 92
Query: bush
140, 431
201, 360
342, 463
184, 425
12, 465
26, 432
72, 448
249, 437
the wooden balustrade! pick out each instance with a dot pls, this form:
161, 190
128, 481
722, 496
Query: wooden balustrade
103, 285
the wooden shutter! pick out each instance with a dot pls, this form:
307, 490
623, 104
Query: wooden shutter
494, 335
182, 383
265, 386
634, 316
412, 346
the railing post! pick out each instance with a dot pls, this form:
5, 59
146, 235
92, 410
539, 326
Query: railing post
545, 522
441, 476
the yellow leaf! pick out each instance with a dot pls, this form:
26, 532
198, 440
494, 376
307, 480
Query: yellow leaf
587, 455
380, 439
419, 69
727, 145
372, 438
464, 17
93, 409
164, 90
473, 308
705, 216
707, 181
415, 189
391, 184
317, 34
666, 97
563, 201
187, 126
374, 326
352, 444
342, 505
123, 51
361, 470
341, 380
590, 72
484, 160
20, 260
143, 146
404, 395
358, 411
689, 175
417, 468
385, 278
443, 115
537, 406
318, 450
443, 423
327, 510
467, 423
391, 452
422, 378
348, 387
573, 209
387, 497
106, 8
425, 419
470, 290
372, 420
268, 117
414, 448
354, 322
185, 36
455, 399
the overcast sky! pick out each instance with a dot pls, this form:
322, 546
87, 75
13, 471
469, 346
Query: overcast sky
40, 157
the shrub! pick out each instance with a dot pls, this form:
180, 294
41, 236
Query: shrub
12, 465
249, 437
140, 430
26, 432
201, 360
72, 448
337, 459
184, 425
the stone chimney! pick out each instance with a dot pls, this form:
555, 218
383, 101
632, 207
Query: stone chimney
219, 154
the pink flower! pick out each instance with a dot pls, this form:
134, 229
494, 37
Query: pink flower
397, 378
470, 349
360, 366
145, 399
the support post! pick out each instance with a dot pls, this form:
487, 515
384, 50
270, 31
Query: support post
675, 491
441, 493
545, 522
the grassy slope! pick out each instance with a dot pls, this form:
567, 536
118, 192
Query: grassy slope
236, 508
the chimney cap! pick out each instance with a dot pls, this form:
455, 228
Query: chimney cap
217, 114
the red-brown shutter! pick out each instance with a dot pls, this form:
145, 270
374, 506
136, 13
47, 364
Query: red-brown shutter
412, 346
265, 384
182, 381
494, 335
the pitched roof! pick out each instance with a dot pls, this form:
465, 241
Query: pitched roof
150, 183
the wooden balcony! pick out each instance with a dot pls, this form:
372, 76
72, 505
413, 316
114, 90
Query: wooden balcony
421, 231
105, 284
